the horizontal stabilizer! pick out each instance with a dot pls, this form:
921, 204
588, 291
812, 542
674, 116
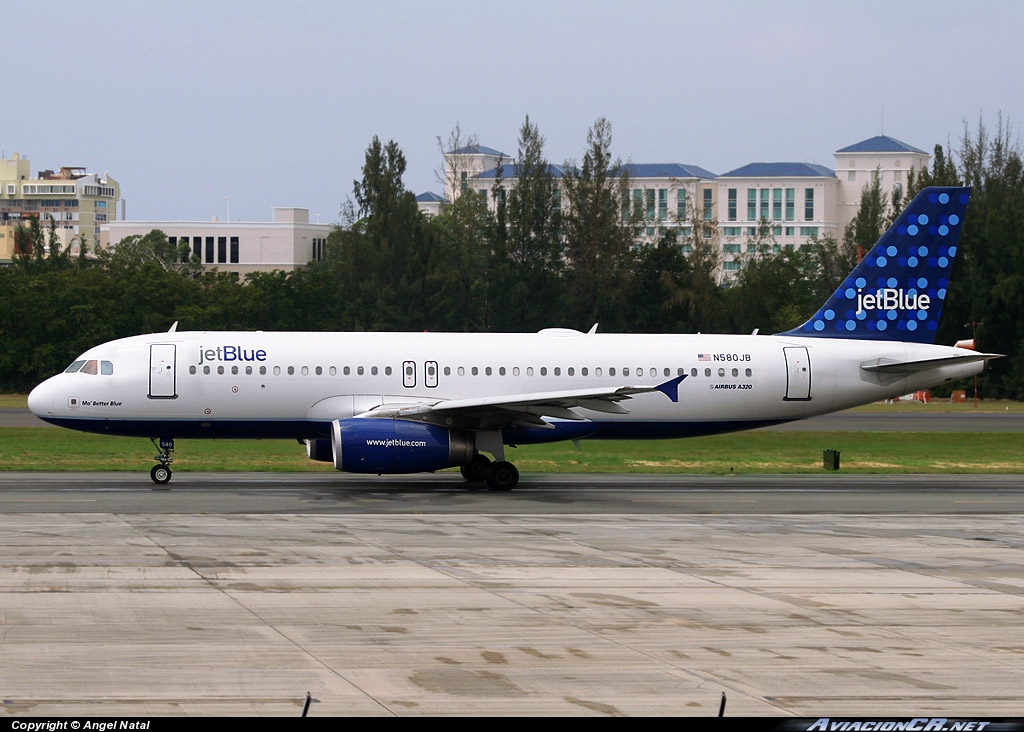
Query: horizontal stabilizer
894, 366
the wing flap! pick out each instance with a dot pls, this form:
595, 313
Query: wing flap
509, 409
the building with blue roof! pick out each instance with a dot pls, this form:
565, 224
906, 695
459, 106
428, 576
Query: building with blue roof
881, 144
891, 159
431, 203
790, 202
467, 162
794, 200
508, 172
477, 150
780, 170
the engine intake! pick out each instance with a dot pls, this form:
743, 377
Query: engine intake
320, 450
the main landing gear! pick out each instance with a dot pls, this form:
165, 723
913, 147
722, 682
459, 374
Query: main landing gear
161, 473
500, 475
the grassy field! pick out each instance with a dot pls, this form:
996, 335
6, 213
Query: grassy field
13, 401
745, 452
943, 406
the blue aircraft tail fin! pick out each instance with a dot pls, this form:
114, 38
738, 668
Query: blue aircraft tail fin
897, 291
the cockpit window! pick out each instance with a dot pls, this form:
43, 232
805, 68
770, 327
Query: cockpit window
92, 367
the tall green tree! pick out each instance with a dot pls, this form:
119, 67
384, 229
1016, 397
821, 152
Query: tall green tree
598, 246
457, 284
832, 262
988, 281
872, 219
36, 250
382, 258
943, 173
153, 247
527, 259
697, 289
669, 287
774, 291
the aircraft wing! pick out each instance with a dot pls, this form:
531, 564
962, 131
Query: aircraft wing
526, 410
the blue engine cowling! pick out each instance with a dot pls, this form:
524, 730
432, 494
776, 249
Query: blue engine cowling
365, 445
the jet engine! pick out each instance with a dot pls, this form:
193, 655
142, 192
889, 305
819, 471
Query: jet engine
366, 445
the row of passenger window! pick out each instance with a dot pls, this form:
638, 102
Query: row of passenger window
277, 370
460, 371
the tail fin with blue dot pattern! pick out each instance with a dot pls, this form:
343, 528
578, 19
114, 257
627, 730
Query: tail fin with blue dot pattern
897, 291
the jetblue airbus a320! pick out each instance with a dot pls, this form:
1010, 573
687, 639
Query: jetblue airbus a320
415, 402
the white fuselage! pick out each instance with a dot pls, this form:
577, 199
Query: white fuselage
270, 385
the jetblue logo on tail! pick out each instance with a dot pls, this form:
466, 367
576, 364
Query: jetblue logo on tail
896, 292
890, 299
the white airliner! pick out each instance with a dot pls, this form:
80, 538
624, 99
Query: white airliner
416, 402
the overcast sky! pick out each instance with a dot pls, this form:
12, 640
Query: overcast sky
274, 103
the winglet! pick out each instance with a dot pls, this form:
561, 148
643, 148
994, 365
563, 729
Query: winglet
671, 387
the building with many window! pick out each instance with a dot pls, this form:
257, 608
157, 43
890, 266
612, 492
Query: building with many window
756, 205
856, 164
773, 205
288, 242
77, 203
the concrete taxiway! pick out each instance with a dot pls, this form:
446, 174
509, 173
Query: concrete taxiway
574, 596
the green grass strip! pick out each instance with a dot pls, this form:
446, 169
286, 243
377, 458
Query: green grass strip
46, 448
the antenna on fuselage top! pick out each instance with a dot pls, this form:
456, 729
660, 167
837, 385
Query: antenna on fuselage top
592, 330
173, 328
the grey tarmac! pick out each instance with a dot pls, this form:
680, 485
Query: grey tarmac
576, 595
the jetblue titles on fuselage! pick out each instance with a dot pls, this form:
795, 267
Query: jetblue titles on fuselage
231, 353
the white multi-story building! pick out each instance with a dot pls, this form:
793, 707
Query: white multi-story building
773, 204
467, 163
77, 203
786, 204
431, 203
288, 242
855, 165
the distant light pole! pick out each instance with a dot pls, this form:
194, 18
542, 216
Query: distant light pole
229, 207
973, 325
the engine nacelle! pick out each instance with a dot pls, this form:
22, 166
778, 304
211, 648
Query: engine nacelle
320, 450
366, 445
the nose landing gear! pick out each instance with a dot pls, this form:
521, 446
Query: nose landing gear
161, 473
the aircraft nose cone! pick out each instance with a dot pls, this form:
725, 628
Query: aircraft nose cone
40, 400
